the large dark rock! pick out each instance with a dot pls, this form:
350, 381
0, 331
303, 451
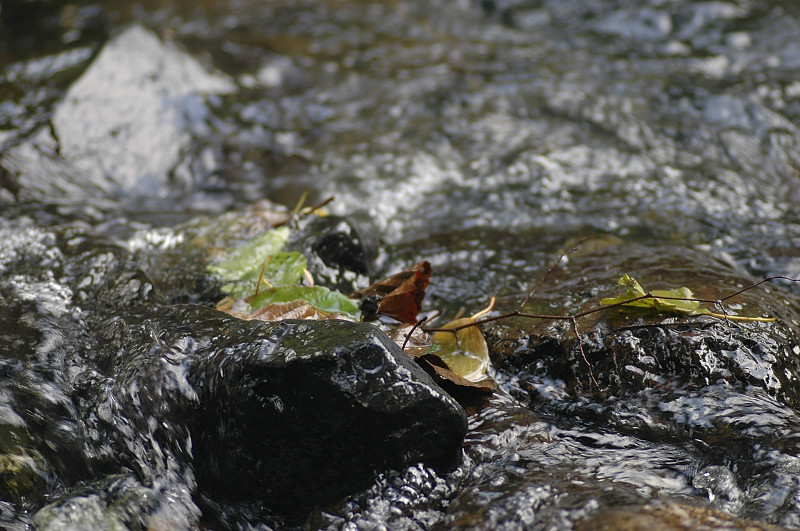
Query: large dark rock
290, 413
301, 412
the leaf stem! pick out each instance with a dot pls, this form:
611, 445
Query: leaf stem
261, 275
741, 317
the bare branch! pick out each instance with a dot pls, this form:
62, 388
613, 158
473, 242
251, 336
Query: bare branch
573, 318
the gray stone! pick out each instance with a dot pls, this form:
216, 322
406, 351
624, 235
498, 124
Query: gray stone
122, 126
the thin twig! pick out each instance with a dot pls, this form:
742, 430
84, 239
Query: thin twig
583, 354
308, 276
309, 210
548, 272
762, 281
518, 313
261, 275
299, 210
408, 335
300, 202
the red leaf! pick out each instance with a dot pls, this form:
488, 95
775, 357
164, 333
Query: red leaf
399, 296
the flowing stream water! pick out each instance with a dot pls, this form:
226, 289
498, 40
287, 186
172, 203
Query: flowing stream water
484, 136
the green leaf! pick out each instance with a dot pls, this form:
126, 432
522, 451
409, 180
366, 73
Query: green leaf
662, 301
634, 290
285, 269
433, 349
241, 267
319, 297
673, 305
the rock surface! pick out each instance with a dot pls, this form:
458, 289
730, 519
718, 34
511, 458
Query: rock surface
292, 413
181, 405
481, 136
342, 252
669, 517
630, 352
120, 131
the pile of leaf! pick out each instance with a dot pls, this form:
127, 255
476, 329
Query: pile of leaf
263, 281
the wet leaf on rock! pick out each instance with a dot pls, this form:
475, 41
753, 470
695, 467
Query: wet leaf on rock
278, 311
320, 297
674, 303
284, 269
451, 382
399, 296
457, 360
414, 345
241, 268
464, 351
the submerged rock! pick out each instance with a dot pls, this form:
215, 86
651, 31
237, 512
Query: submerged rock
668, 517
726, 393
630, 351
117, 502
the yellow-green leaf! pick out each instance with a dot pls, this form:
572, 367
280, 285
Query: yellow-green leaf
284, 269
464, 351
662, 301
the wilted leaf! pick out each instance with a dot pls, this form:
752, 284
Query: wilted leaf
278, 311
657, 303
464, 351
417, 344
399, 296
241, 267
424, 349
319, 297
457, 386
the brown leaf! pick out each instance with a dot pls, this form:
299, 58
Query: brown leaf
416, 344
451, 382
399, 296
278, 311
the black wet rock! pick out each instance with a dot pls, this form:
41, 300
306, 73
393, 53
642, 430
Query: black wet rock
291, 413
342, 252
311, 411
